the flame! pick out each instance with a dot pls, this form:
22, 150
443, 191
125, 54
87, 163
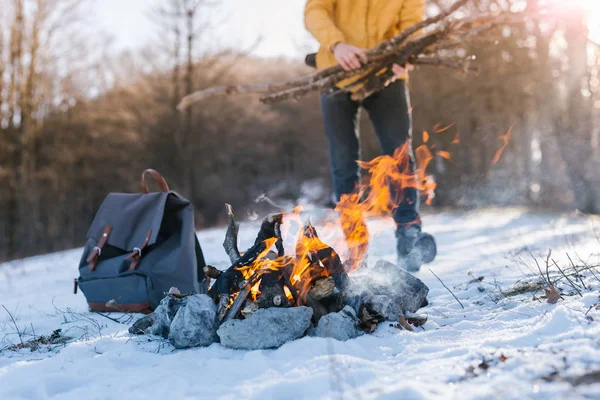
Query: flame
505, 139
437, 129
308, 266
386, 172
288, 294
380, 194
255, 291
444, 154
260, 264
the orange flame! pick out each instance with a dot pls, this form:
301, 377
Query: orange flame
377, 198
308, 265
505, 139
437, 128
444, 154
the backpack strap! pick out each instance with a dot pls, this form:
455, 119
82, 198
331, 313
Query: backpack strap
157, 178
136, 255
95, 254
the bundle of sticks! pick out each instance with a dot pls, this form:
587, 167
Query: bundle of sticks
426, 43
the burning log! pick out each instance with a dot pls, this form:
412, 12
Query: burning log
239, 277
412, 45
318, 276
322, 288
272, 293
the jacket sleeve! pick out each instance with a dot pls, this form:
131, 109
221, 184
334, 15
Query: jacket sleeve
412, 12
318, 19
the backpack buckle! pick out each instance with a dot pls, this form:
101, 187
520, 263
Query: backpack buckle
97, 250
136, 255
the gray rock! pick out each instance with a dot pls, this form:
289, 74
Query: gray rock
341, 325
407, 292
384, 305
265, 329
163, 316
195, 323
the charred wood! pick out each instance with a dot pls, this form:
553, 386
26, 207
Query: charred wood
211, 272
231, 236
368, 321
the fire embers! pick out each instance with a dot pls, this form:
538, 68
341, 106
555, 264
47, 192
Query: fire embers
262, 278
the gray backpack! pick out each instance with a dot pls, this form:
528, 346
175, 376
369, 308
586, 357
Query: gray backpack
138, 247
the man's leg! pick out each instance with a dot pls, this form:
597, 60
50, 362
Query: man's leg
389, 113
340, 115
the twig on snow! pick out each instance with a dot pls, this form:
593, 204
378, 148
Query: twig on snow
15, 324
567, 278
447, 288
577, 274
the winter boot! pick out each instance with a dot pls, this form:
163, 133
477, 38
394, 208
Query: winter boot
414, 247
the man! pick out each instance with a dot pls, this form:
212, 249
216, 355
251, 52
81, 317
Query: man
345, 29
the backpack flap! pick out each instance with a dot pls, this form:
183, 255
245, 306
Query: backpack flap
132, 217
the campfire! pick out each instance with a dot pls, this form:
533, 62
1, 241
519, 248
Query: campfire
263, 278
267, 297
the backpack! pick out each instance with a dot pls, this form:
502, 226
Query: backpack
138, 247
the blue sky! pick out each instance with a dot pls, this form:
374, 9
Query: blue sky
278, 22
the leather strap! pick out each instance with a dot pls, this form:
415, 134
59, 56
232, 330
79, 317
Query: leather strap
92, 259
136, 255
143, 308
157, 178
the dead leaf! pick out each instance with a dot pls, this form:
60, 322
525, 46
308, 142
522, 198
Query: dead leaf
425, 136
112, 303
502, 358
456, 139
552, 295
403, 323
479, 279
417, 321
484, 365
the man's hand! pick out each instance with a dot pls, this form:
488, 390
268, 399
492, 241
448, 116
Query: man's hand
349, 56
399, 71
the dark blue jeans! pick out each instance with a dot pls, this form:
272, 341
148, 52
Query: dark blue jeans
389, 112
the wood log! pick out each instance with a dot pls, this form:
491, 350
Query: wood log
211, 272
322, 288
231, 236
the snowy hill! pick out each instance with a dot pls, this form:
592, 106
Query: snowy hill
501, 345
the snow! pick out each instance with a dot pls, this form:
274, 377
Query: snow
442, 360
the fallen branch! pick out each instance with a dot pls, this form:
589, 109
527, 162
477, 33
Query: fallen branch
411, 45
447, 288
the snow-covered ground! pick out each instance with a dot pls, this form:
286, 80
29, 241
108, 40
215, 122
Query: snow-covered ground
496, 347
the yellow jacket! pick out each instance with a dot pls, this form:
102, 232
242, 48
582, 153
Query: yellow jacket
362, 23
